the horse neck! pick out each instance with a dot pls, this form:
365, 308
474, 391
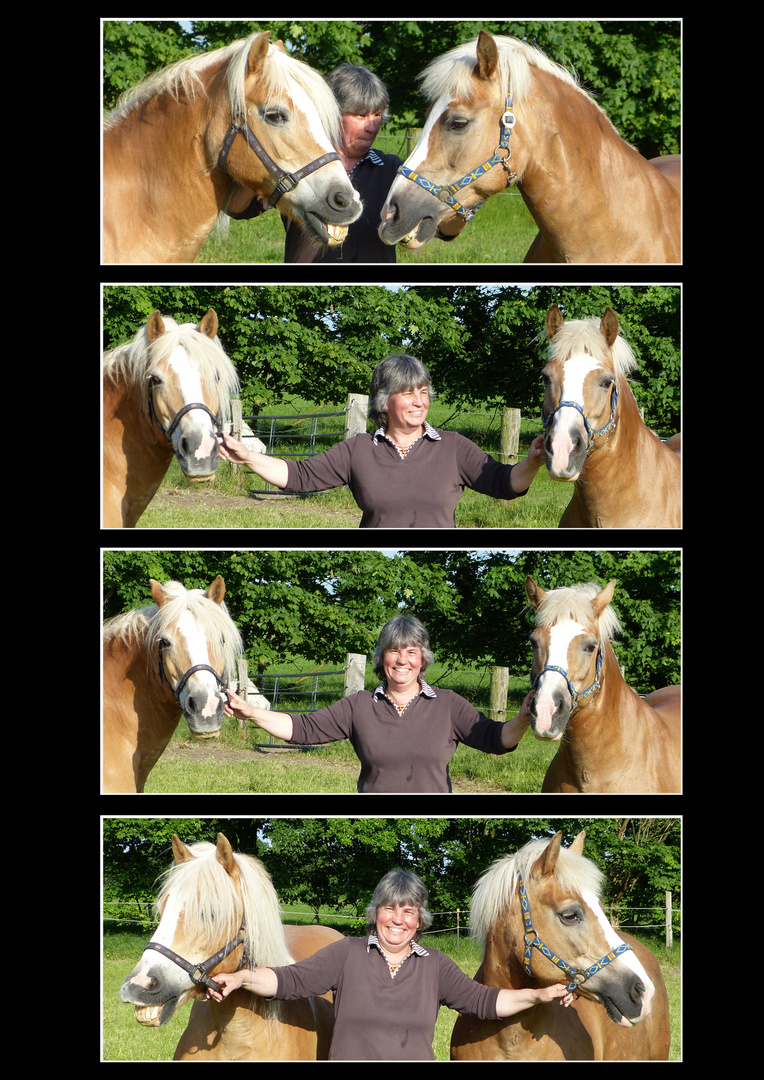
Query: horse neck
502, 958
620, 474
561, 133
595, 731
164, 140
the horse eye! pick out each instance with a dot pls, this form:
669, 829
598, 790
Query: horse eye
458, 123
276, 116
569, 916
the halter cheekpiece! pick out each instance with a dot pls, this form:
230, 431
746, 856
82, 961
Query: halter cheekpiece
199, 973
284, 181
577, 976
606, 429
446, 192
176, 691
576, 695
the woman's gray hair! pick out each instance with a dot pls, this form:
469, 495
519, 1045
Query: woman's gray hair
395, 375
398, 633
359, 91
400, 887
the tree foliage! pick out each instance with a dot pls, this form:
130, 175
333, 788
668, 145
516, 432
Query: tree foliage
484, 345
632, 68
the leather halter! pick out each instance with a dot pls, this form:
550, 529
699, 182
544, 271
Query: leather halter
284, 181
576, 695
176, 691
446, 192
198, 973
606, 429
577, 976
217, 421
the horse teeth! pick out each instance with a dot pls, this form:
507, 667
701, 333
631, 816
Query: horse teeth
148, 1015
337, 234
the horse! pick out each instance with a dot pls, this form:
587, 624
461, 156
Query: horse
539, 911
623, 475
611, 739
180, 144
502, 113
219, 913
171, 658
166, 392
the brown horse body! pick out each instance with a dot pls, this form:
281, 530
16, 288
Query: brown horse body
593, 197
585, 1030
623, 475
611, 739
242, 1027
168, 170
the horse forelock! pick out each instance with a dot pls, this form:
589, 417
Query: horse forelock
575, 602
279, 71
496, 890
584, 335
147, 625
452, 72
141, 358
214, 906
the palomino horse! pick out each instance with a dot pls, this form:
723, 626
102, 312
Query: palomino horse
219, 912
537, 912
178, 145
173, 657
167, 391
623, 475
502, 113
610, 738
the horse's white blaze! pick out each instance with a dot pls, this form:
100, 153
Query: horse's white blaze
575, 370
560, 637
420, 151
198, 653
190, 385
628, 958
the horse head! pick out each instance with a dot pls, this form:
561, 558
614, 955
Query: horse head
193, 637
190, 941
580, 389
573, 626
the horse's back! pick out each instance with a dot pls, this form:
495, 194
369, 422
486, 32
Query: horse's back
670, 166
667, 702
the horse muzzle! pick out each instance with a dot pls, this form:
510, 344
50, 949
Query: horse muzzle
565, 451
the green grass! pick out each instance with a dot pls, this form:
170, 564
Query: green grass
501, 232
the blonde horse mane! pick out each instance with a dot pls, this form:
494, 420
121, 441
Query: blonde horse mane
139, 358
495, 891
187, 77
202, 887
585, 335
451, 73
574, 602
148, 624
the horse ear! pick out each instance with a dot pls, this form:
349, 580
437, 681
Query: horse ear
599, 603
209, 324
158, 594
155, 326
545, 864
609, 326
577, 847
180, 852
554, 321
225, 855
280, 45
258, 52
487, 56
535, 594
216, 590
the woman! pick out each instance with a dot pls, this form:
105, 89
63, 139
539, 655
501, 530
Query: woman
387, 987
405, 732
408, 474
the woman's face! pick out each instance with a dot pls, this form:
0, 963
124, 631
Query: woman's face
396, 925
402, 666
359, 132
407, 409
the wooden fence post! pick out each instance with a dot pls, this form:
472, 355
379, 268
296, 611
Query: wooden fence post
355, 673
355, 414
497, 704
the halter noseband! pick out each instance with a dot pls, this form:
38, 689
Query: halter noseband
217, 421
198, 973
445, 192
576, 695
284, 181
577, 976
176, 691
606, 429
